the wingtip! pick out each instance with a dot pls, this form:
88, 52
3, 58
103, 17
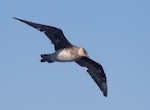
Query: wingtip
17, 19
105, 94
104, 85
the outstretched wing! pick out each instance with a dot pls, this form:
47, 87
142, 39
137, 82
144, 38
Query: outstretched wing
54, 34
96, 71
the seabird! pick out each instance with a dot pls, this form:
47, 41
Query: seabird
67, 52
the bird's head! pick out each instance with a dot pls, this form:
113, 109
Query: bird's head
82, 52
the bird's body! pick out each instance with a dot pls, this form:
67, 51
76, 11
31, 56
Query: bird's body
72, 53
67, 52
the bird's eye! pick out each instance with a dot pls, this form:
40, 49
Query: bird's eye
84, 51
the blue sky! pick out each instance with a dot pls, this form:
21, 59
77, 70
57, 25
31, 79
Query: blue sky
115, 33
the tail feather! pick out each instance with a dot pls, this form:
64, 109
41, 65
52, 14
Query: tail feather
46, 58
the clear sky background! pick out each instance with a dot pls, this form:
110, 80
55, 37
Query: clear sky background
115, 33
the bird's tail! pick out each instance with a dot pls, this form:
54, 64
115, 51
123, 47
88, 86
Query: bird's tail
46, 58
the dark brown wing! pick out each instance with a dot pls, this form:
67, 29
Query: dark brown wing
54, 34
96, 71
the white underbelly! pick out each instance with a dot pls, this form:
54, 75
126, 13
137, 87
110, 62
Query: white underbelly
64, 56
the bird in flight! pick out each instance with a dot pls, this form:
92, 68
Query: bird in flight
67, 52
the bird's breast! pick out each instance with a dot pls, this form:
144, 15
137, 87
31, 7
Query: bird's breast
66, 55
